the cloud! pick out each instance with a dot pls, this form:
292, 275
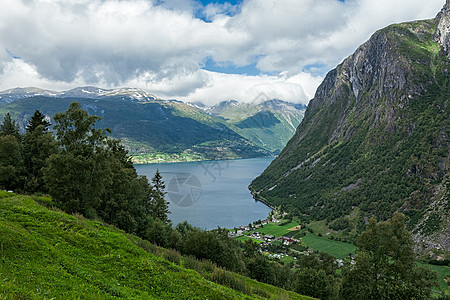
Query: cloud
299, 88
290, 34
162, 45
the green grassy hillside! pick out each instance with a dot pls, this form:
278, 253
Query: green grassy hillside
47, 254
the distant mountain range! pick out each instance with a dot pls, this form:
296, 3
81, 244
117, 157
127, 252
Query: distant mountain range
269, 124
169, 130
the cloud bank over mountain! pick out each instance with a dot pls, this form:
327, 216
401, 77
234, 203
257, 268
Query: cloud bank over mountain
190, 50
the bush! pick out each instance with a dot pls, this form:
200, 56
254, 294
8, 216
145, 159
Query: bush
172, 256
148, 247
190, 262
230, 280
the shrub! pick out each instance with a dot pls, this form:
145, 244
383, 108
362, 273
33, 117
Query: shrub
230, 280
172, 256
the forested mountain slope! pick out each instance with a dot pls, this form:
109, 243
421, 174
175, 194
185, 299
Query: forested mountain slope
375, 138
160, 129
153, 129
269, 124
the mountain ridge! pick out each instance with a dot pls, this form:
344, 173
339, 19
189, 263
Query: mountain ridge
158, 130
374, 139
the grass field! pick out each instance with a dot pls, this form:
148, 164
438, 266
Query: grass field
442, 272
322, 244
277, 230
244, 237
287, 259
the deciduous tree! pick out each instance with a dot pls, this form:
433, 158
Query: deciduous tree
385, 266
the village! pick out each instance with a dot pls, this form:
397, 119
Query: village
282, 239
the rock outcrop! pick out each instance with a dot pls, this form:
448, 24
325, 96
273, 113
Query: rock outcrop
442, 35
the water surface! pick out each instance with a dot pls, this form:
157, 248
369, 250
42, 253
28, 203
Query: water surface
211, 193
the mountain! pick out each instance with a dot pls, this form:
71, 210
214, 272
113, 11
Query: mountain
14, 94
48, 254
151, 129
374, 139
90, 92
168, 130
269, 124
98, 93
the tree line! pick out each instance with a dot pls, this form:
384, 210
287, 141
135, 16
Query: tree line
81, 168
88, 173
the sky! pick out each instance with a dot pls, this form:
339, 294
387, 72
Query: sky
191, 50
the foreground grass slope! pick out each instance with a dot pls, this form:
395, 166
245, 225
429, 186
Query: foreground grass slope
49, 254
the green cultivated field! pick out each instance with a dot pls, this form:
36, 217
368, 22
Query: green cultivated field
322, 244
442, 271
47, 254
244, 237
275, 229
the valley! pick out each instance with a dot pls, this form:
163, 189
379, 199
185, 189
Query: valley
120, 193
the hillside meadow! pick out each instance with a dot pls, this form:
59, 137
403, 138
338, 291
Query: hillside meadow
45, 254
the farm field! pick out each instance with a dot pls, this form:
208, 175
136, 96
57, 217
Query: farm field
277, 230
244, 237
335, 248
442, 271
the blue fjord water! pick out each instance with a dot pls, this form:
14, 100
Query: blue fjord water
208, 194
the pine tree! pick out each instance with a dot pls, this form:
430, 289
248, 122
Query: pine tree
9, 127
11, 158
11, 163
36, 121
38, 145
159, 207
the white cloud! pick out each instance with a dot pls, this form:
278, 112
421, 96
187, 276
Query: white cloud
161, 45
299, 88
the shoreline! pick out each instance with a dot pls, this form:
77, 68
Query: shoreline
255, 197
195, 160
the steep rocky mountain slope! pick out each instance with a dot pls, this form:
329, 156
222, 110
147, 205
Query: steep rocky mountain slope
375, 138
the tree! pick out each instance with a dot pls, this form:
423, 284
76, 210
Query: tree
38, 145
76, 176
385, 266
93, 174
125, 193
315, 283
11, 158
11, 163
9, 127
158, 206
38, 122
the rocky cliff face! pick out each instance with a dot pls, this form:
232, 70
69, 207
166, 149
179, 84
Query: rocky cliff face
442, 35
378, 123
